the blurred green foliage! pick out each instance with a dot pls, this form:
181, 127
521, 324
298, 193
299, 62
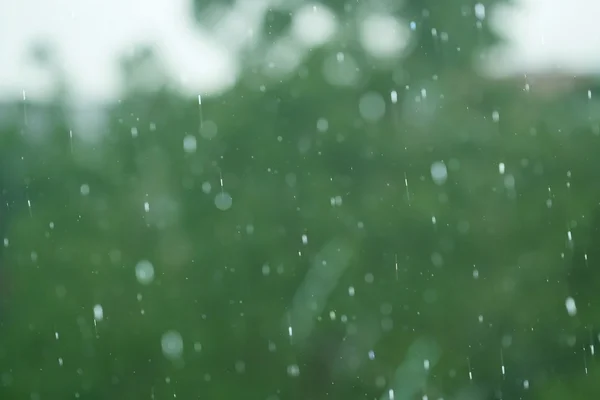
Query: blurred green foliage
470, 275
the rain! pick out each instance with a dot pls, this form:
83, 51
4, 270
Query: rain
280, 200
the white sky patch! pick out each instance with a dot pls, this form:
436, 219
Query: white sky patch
546, 35
91, 36
383, 36
313, 25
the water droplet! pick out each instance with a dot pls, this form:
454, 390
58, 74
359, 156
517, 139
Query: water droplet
84, 189
144, 272
372, 106
266, 270
190, 144
439, 172
98, 312
509, 182
495, 116
208, 130
571, 307
322, 125
293, 370
223, 201
480, 11
172, 344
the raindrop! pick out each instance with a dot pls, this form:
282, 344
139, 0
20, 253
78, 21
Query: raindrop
208, 130
322, 125
223, 201
372, 106
84, 189
293, 370
172, 344
266, 270
509, 182
144, 272
571, 307
190, 144
439, 172
501, 168
98, 312
480, 11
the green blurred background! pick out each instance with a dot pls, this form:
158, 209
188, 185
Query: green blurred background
357, 227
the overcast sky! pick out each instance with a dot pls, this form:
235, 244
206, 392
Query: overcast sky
90, 35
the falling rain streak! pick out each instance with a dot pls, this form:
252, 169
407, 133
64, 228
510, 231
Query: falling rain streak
223, 200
